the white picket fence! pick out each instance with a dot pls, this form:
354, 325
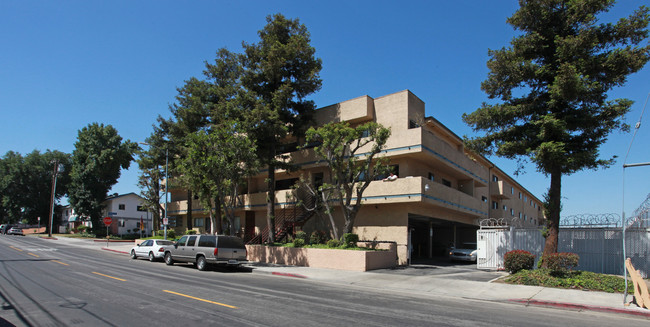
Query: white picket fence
600, 249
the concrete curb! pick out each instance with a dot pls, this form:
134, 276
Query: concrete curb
581, 307
275, 273
116, 251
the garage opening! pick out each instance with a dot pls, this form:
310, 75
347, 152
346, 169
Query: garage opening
430, 238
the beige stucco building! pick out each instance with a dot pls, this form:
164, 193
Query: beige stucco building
442, 192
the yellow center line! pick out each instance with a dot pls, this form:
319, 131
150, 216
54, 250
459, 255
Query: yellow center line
32, 254
17, 249
199, 299
61, 263
120, 279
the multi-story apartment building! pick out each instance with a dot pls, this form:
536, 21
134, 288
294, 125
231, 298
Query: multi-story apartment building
441, 193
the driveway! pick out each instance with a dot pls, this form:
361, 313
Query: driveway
443, 268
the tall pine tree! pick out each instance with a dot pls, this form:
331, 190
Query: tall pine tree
552, 83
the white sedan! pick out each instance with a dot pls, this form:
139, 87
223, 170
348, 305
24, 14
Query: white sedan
152, 249
467, 252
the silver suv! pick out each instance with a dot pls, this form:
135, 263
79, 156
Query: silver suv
204, 250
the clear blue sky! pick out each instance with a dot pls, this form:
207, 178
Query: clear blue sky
65, 64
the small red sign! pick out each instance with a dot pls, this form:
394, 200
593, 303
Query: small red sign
108, 221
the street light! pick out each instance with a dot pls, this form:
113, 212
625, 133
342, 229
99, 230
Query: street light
166, 184
58, 167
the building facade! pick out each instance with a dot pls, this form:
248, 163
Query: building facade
127, 212
441, 193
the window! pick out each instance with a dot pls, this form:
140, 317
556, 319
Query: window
191, 241
495, 178
512, 190
318, 180
141, 208
285, 184
208, 241
525, 198
198, 222
512, 212
505, 207
413, 124
520, 195
121, 223
365, 133
121, 206
431, 177
495, 205
531, 202
520, 215
446, 182
484, 198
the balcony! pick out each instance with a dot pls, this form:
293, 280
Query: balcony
180, 207
413, 189
500, 190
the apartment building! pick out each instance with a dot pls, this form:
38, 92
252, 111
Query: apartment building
441, 193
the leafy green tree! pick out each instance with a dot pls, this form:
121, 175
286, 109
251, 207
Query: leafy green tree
552, 83
281, 70
97, 160
217, 164
38, 184
11, 186
351, 157
201, 105
26, 184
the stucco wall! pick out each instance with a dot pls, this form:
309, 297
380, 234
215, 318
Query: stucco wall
323, 258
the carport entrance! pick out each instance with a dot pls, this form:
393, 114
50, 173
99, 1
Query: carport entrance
430, 238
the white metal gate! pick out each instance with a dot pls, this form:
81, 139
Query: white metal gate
493, 243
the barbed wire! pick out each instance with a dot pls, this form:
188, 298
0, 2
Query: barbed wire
591, 220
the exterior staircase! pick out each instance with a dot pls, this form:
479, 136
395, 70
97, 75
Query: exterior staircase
286, 220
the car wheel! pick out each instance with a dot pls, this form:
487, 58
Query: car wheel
201, 264
151, 257
168, 259
133, 256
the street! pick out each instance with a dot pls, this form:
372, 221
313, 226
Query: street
45, 283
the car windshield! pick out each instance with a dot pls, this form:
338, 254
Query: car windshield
471, 246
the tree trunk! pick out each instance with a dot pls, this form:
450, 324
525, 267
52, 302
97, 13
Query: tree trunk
216, 223
190, 197
270, 204
553, 208
329, 214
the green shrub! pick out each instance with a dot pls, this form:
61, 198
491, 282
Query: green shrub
171, 234
333, 243
317, 237
517, 260
82, 229
298, 242
350, 240
189, 232
561, 263
301, 236
583, 280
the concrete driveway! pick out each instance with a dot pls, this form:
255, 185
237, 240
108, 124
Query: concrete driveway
443, 268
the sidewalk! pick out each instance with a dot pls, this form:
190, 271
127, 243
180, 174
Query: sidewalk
429, 284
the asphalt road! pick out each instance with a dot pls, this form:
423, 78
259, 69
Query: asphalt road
44, 283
